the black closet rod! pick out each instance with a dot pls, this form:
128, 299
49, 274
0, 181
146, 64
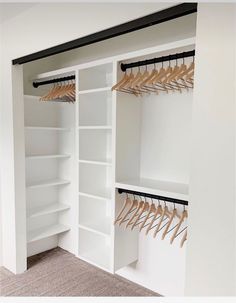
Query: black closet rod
182, 55
156, 197
37, 84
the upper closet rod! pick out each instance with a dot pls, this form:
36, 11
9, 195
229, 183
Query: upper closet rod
156, 197
157, 60
37, 84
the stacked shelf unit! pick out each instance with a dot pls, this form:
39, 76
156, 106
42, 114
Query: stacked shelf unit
49, 148
95, 165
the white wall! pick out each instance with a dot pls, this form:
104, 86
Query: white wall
0, 156
211, 250
22, 35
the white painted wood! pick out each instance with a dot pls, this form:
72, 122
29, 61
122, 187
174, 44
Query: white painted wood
39, 157
95, 90
103, 198
48, 209
156, 187
42, 128
49, 136
95, 180
46, 232
45, 244
96, 162
95, 214
95, 249
103, 127
95, 144
100, 228
55, 182
95, 108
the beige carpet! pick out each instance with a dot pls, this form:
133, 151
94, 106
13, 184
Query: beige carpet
59, 273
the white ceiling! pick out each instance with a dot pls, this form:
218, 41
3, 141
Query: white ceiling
10, 10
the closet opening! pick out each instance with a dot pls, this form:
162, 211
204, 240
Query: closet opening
85, 140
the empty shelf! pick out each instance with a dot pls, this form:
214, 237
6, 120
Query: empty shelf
47, 183
47, 209
156, 187
101, 227
96, 162
47, 156
94, 90
108, 127
96, 196
47, 128
46, 232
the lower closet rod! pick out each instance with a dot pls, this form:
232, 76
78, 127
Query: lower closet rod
137, 193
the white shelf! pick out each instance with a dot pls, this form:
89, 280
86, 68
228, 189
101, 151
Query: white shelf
96, 196
54, 182
46, 232
47, 209
95, 90
47, 128
105, 127
96, 162
47, 156
156, 187
101, 227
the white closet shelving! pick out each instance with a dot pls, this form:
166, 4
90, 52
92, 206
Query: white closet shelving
156, 187
49, 149
77, 156
95, 164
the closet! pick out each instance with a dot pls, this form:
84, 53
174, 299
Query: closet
84, 158
89, 147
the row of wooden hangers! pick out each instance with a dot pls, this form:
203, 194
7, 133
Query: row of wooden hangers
163, 79
62, 91
141, 215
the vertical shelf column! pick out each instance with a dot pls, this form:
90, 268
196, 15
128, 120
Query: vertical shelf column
95, 165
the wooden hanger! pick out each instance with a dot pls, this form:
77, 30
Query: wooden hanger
165, 212
127, 202
133, 205
135, 214
125, 77
49, 95
152, 209
184, 238
143, 209
158, 211
172, 216
142, 78
148, 80
182, 218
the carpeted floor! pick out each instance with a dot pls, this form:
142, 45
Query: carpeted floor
59, 273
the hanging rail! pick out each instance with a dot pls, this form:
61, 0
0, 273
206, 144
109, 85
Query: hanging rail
37, 84
182, 55
157, 197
